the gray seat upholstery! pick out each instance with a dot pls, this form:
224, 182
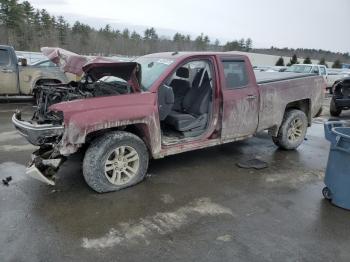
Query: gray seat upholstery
195, 106
165, 101
180, 87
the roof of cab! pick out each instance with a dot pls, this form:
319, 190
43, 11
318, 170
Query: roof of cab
178, 55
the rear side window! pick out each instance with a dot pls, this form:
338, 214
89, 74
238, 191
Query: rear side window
235, 73
4, 57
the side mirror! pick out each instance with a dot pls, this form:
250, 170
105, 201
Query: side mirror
22, 61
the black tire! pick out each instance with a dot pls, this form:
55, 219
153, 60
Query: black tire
327, 194
98, 153
331, 90
333, 110
283, 140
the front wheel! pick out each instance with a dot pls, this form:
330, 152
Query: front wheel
292, 130
115, 161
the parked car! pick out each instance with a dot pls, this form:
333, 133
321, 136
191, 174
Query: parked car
341, 96
48, 63
309, 69
44, 63
164, 104
277, 69
334, 75
18, 78
261, 68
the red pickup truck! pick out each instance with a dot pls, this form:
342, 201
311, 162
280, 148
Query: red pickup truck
122, 114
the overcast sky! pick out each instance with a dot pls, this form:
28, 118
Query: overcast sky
317, 24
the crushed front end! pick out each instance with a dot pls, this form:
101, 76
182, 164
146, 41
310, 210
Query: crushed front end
47, 159
47, 129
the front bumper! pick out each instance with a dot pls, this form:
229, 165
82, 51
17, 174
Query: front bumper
37, 134
46, 160
44, 165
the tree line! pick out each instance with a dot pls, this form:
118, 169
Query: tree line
317, 54
28, 29
307, 60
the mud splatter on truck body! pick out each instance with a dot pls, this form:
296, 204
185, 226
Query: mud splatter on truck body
235, 113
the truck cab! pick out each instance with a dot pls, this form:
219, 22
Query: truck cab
19, 78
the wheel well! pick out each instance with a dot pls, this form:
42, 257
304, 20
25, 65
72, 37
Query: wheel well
303, 105
139, 130
48, 80
54, 81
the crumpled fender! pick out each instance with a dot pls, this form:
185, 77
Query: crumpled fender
84, 116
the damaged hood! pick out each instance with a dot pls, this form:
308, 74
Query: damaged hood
68, 61
99, 67
95, 67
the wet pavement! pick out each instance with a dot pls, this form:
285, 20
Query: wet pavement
196, 206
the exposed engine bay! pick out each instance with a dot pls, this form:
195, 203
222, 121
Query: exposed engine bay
46, 128
49, 94
99, 79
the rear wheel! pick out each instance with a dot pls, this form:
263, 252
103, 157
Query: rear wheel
292, 130
333, 110
115, 161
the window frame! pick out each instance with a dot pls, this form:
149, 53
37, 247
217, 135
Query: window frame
194, 59
9, 58
223, 60
323, 71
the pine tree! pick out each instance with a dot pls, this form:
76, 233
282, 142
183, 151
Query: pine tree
337, 64
248, 44
62, 28
307, 60
293, 60
11, 17
126, 33
323, 62
241, 44
280, 61
232, 46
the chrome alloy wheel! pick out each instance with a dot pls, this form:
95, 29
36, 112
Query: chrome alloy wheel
295, 130
122, 165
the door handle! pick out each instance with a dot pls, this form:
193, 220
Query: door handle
251, 97
5, 70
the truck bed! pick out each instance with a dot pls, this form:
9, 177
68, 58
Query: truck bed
270, 77
278, 89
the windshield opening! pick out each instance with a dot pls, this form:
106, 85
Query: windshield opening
151, 69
